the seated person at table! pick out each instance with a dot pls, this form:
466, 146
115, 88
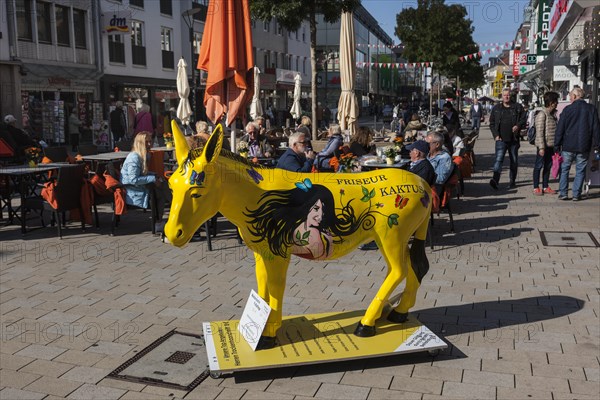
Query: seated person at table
419, 164
135, 176
457, 142
334, 141
413, 126
439, 159
298, 157
360, 144
258, 146
260, 122
201, 136
15, 137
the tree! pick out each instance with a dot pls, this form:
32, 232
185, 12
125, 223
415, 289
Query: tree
440, 33
291, 13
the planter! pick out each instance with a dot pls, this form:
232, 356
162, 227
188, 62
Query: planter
389, 161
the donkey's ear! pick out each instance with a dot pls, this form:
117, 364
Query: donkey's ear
213, 146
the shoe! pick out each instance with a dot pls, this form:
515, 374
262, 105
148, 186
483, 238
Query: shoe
494, 184
577, 198
512, 185
563, 197
538, 192
549, 190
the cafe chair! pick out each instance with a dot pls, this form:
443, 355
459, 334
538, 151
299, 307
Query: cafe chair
57, 154
448, 189
67, 192
153, 208
123, 145
87, 149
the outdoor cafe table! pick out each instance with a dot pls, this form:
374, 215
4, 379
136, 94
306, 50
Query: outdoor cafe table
95, 159
26, 180
371, 166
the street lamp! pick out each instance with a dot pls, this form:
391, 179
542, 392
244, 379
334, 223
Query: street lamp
188, 18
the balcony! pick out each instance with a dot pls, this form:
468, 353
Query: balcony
138, 55
168, 59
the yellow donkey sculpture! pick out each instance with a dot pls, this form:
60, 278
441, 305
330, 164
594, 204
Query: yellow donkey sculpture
316, 216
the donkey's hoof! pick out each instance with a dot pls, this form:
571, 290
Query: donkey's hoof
266, 342
364, 330
397, 317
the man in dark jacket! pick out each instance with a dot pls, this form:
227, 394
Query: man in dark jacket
506, 121
118, 125
450, 115
298, 157
476, 113
578, 131
419, 164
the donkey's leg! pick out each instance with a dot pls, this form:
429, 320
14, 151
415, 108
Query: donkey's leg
419, 265
394, 251
276, 271
261, 277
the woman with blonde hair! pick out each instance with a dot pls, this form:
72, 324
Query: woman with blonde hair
135, 175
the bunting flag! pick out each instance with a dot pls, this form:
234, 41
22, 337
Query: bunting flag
362, 64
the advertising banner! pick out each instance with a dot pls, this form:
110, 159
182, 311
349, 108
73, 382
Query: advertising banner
543, 42
516, 62
116, 22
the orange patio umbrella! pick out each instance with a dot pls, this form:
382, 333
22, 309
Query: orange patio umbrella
226, 54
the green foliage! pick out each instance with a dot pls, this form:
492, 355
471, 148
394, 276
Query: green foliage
291, 13
441, 33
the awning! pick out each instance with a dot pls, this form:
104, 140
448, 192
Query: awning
54, 71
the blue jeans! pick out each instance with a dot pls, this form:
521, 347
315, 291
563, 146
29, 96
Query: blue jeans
543, 162
581, 160
476, 123
513, 154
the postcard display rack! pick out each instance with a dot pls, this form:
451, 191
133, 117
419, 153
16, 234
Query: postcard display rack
53, 121
100, 126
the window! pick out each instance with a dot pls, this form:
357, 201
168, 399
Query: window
297, 63
116, 49
166, 44
304, 66
79, 24
63, 36
275, 56
303, 34
138, 51
137, 3
23, 8
43, 22
267, 26
279, 29
296, 34
197, 42
136, 33
166, 7
266, 59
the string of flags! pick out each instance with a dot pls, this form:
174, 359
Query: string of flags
395, 65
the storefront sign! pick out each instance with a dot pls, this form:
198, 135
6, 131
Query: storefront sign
285, 75
543, 43
116, 23
564, 73
531, 59
558, 15
516, 62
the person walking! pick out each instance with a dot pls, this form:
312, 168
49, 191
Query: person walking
143, 121
118, 124
476, 114
506, 121
545, 129
74, 125
577, 133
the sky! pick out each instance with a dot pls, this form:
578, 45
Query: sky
494, 20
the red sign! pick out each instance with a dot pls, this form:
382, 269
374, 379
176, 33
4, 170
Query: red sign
561, 8
516, 62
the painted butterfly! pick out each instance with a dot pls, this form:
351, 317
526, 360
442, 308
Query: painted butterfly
257, 177
305, 185
401, 201
425, 200
197, 178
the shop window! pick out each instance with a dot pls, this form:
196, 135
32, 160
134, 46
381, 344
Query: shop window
137, 3
116, 49
166, 7
43, 22
166, 43
63, 36
23, 9
79, 26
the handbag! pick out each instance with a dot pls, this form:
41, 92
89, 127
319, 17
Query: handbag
556, 162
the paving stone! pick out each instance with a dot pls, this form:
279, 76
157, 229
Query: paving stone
432, 386
384, 394
48, 368
437, 373
231, 394
86, 374
481, 377
53, 386
43, 352
12, 362
542, 383
330, 390
300, 387
456, 390
88, 391
367, 379
16, 379
16, 394
584, 387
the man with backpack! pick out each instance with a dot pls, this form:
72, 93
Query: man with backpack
543, 130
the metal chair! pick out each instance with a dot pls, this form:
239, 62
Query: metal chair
68, 194
56, 154
87, 149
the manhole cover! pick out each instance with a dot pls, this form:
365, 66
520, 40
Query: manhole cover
569, 239
176, 360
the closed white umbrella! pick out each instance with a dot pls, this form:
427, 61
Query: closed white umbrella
184, 110
348, 105
296, 110
256, 107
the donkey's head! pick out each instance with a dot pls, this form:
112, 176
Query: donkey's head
195, 184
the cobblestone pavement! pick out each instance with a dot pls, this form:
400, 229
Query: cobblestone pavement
520, 318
